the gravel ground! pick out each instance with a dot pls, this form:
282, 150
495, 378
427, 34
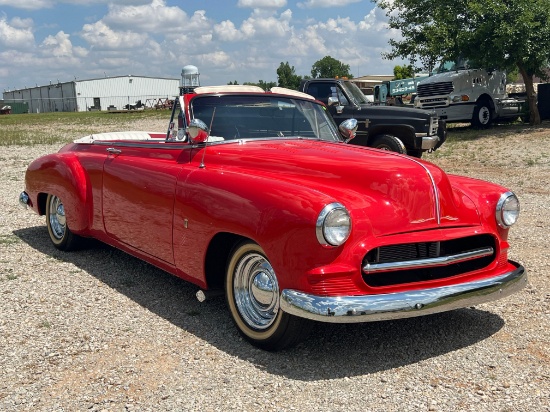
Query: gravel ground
98, 330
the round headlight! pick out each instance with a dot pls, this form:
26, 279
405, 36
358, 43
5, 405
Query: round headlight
507, 212
333, 225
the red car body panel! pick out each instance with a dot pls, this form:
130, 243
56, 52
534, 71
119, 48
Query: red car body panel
165, 202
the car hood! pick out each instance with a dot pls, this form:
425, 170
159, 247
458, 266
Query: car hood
396, 193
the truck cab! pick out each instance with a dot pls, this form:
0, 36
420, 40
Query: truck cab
400, 129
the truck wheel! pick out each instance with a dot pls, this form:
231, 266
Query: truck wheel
60, 234
482, 114
253, 294
388, 142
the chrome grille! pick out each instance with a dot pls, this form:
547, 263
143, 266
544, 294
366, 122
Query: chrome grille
417, 262
434, 124
434, 89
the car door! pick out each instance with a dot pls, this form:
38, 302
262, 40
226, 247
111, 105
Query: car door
139, 182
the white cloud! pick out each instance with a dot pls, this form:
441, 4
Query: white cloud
59, 45
28, 4
314, 4
102, 37
154, 16
262, 4
46, 4
16, 34
226, 31
258, 27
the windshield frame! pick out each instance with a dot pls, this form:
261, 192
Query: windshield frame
315, 120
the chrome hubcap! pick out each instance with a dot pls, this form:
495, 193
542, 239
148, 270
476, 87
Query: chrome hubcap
256, 291
57, 217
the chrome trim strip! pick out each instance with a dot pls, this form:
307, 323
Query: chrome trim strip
434, 187
368, 308
428, 262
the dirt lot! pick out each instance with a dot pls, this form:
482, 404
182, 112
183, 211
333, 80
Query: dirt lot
99, 330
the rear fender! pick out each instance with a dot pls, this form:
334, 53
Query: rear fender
62, 175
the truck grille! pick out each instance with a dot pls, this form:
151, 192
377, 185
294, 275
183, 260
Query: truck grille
434, 89
434, 125
418, 262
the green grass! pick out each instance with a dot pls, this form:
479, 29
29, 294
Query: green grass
63, 127
8, 239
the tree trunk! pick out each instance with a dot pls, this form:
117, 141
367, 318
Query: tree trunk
534, 117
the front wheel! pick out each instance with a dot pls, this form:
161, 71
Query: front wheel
252, 293
388, 142
60, 234
483, 115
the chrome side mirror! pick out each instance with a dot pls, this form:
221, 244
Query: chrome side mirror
348, 129
332, 101
198, 131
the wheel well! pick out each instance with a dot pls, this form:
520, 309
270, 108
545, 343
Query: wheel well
217, 255
487, 98
42, 198
404, 133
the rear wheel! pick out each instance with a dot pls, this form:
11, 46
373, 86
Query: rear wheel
60, 234
483, 114
252, 293
388, 142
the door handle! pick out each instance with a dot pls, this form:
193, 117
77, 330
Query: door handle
114, 151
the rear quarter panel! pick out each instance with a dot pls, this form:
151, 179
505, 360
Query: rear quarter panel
61, 174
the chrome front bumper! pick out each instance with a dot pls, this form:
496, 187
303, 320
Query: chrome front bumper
429, 142
24, 199
369, 308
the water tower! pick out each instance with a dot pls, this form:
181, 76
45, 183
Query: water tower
189, 79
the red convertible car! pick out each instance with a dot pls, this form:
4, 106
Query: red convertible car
256, 194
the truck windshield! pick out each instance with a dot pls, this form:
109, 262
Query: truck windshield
355, 92
449, 66
263, 116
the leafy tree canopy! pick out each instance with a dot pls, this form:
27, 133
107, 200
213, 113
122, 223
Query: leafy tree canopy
330, 67
287, 77
500, 34
403, 72
264, 85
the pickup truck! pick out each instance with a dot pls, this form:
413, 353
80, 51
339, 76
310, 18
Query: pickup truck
400, 129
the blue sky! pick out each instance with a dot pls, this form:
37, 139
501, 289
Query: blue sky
243, 40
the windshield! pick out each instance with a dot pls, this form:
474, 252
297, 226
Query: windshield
355, 92
263, 116
449, 66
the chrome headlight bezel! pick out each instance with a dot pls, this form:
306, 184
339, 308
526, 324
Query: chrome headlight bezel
507, 210
333, 225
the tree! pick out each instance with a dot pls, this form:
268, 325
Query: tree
261, 83
287, 77
403, 72
330, 67
504, 34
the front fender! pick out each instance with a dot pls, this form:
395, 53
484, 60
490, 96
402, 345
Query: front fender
62, 175
278, 215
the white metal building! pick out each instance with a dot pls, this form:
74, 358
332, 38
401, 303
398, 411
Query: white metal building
118, 92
